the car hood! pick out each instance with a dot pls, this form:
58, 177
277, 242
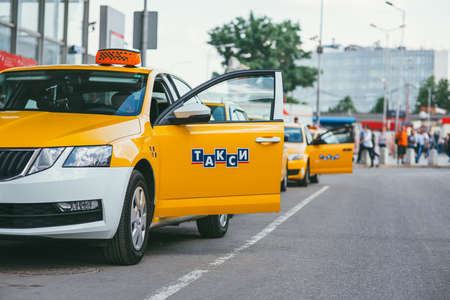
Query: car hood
28, 129
295, 147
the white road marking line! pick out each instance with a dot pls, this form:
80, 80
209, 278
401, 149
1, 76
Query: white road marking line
190, 277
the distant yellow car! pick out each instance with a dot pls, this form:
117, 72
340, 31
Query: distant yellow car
310, 157
108, 151
227, 112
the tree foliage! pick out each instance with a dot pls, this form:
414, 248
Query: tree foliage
262, 44
344, 106
440, 94
378, 107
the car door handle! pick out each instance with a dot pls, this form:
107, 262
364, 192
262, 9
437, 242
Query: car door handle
273, 139
347, 149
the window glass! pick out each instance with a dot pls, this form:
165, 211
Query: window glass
294, 134
309, 137
5, 10
54, 19
73, 91
254, 95
5, 38
238, 115
75, 23
160, 100
27, 45
28, 14
182, 87
329, 138
52, 53
217, 112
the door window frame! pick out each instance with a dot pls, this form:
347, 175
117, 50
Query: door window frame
278, 92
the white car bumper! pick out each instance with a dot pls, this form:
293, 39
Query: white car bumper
59, 184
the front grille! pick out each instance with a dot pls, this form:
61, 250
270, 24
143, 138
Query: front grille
13, 162
293, 172
36, 215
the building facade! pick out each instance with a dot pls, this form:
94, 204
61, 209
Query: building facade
364, 73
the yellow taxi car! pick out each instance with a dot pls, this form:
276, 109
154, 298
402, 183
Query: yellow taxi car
108, 151
310, 157
227, 112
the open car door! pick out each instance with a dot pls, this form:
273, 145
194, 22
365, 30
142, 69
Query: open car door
332, 152
209, 167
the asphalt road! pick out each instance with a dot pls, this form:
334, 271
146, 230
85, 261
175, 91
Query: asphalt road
374, 234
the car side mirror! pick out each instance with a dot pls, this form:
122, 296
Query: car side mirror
190, 113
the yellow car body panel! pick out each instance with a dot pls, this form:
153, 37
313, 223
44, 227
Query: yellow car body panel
181, 188
330, 159
299, 164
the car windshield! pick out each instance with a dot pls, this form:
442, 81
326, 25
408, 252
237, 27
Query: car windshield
294, 134
73, 91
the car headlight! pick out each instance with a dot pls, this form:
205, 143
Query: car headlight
89, 156
295, 156
46, 159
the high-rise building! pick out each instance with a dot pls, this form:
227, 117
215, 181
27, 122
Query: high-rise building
54, 31
362, 72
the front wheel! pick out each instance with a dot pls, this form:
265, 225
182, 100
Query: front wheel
305, 180
214, 226
127, 247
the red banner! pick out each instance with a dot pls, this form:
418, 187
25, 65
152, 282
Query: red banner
8, 60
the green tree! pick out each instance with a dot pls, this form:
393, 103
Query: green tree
378, 107
422, 97
344, 106
442, 94
262, 44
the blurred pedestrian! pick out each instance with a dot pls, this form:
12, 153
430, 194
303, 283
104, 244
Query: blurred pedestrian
447, 143
366, 143
422, 140
382, 141
402, 142
436, 140
412, 140
429, 145
296, 120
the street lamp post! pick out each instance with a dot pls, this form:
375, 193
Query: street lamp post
387, 64
403, 20
144, 35
319, 54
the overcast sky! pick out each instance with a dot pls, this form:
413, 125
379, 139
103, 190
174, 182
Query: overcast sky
183, 26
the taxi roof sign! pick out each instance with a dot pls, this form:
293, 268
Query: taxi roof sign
118, 57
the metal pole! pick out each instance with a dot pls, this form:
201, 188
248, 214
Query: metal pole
407, 102
384, 103
403, 27
144, 35
429, 108
319, 53
85, 29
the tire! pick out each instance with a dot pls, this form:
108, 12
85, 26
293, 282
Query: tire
284, 182
305, 181
123, 248
215, 226
314, 178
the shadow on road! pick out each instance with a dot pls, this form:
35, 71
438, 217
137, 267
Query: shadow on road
55, 257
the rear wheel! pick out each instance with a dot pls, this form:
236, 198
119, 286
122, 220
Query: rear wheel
305, 180
284, 182
214, 226
314, 178
127, 247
